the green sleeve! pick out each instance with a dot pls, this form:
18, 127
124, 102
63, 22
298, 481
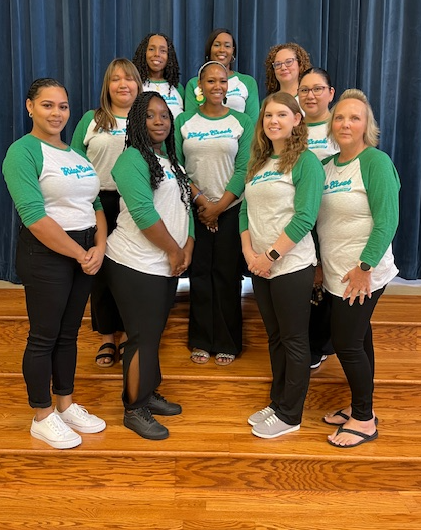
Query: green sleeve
252, 102
132, 176
97, 204
190, 101
381, 181
21, 169
191, 224
80, 132
308, 178
244, 220
180, 90
237, 182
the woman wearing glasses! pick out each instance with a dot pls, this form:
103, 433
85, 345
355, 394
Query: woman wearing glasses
315, 93
284, 65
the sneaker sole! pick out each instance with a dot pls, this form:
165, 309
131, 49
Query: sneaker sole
147, 435
163, 412
267, 436
68, 444
86, 430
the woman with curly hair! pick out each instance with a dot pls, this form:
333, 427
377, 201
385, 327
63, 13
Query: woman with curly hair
284, 186
242, 94
150, 247
156, 60
284, 64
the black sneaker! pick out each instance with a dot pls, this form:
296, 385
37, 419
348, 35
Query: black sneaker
159, 405
144, 424
316, 360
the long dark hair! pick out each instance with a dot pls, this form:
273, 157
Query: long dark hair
212, 37
137, 136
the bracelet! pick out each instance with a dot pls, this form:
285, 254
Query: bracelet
196, 197
268, 257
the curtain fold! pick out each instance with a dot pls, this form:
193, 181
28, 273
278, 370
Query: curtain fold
368, 44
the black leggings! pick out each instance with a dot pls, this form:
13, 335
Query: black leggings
353, 342
56, 291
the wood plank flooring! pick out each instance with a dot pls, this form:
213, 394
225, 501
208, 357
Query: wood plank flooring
211, 473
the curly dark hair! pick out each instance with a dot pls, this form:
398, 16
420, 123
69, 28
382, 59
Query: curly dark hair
303, 58
137, 136
171, 70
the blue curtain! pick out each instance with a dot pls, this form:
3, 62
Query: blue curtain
369, 44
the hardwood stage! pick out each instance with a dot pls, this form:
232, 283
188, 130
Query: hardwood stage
212, 473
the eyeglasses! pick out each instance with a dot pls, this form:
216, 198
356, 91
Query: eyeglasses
317, 90
288, 62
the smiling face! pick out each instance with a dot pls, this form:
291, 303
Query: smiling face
123, 90
214, 84
50, 113
278, 122
222, 50
349, 124
287, 74
157, 57
316, 108
158, 122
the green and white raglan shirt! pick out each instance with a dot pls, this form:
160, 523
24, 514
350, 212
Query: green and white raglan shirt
174, 96
358, 218
276, 202
142, 207
318, 142
44, 180
101, 147
242, 95
215, 151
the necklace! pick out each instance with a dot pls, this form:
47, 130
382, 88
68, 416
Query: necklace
344, 165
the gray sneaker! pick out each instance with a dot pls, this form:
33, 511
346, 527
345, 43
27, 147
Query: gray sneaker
261, 415
273, 427
144, 424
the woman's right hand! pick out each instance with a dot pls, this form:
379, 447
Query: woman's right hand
177, 259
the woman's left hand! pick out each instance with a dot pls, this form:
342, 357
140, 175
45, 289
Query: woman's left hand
94, 259
260, 265
209, 213
359, 285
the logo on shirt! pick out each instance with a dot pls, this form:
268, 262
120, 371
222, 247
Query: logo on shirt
322, 143
79, 171
336, 187
267, 176
169, 174
214, 133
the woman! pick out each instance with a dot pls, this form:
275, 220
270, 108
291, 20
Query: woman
356, 224
242, 94
213, 143
283, 191
100, 134
284, 64
150, 247
156, 60
315, 93
61, 246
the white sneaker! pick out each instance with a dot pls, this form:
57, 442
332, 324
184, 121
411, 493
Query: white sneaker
261, 415
273, 427
53, 431
79, 418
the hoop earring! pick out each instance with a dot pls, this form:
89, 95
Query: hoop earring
30, 114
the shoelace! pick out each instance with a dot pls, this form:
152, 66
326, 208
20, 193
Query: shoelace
57, 425
79, 411
272, 419
266, 410
158, 397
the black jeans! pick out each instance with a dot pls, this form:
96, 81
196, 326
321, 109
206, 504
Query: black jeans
353, 342
284, 303
144, 302
56, 291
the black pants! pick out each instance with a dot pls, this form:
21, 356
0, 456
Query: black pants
284, 303
56, 291
144, 302
215, 286
353, 342
104, 311
319, 328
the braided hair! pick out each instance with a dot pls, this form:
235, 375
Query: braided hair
137, 136
171, 70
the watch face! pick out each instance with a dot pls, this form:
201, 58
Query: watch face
365, 266
274, 254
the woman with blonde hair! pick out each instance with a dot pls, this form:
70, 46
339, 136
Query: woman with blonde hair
283, 191
284, 64
100, 134
357, 221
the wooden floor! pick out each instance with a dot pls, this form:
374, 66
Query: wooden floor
212, 473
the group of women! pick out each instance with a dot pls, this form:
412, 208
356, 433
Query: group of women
203, 182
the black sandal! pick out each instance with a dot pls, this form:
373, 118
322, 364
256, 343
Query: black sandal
107, 355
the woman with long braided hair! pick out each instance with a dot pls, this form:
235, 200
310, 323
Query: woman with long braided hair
150, 247
156, 60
